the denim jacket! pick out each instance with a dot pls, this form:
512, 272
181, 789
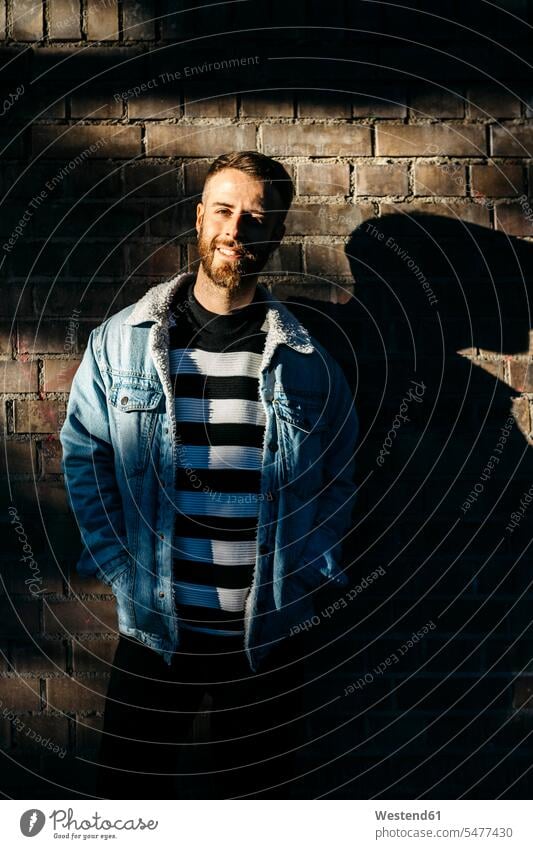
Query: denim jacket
120, 448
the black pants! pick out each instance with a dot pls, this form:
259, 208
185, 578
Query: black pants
256, 723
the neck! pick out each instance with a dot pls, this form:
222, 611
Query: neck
220, 300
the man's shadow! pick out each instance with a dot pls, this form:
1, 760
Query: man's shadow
444, 476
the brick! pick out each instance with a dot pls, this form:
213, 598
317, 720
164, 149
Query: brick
515, 219
28, 21
151, 180
94, 655
153, 107
318, 291
172, 220
18, 376
58, 375
138, 21
76, 617
65, 19
265, 105
50, 453
20, 619
16, 300
89, 734
41, 107
76, 694
204, 103
327, 179
20, 694
512, 140
153, 260
95, 107
326, 219
475, 213
39, 657
17, 458
11, 144
5, 725
3, 418
448, 179
99, 260
205, 140
492, 102
521, 413
382, 179
497, 180
83, 585
429, 101
102, 21
99, 142
194, 177
7, 339
286, 259
316, 140
96, 179
523, 692
31, 577
381, 101
327, 259
429, 140
46, 337
521, 375
38, 731
38, 416
323, 105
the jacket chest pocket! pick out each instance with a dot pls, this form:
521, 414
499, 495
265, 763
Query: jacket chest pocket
302, 431
134, 403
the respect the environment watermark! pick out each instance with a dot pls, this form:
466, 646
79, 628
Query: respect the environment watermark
186, 72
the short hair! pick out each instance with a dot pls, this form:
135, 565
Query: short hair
260, 166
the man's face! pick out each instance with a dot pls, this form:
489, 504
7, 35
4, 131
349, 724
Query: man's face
238, 227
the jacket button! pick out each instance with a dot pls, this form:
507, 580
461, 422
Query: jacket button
162, 536
161, 595
263, 549
124, 400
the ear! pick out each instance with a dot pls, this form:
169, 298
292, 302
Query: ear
199, 216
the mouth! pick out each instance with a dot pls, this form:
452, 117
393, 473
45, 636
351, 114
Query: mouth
229, 253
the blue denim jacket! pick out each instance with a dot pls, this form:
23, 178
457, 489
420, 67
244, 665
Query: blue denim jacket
120, 450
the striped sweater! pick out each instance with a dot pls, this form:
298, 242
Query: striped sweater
214, 363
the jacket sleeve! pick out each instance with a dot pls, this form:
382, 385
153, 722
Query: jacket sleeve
321, 559
88, 466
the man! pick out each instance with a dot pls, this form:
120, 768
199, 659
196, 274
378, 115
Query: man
208, 452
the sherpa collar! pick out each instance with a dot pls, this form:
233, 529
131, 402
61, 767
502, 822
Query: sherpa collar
283, 326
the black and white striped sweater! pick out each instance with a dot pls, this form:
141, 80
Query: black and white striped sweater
214, 364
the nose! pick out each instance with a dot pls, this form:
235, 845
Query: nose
234, 227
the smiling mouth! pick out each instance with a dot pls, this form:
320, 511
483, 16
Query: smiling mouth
230, 254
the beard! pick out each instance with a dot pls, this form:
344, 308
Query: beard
226, 273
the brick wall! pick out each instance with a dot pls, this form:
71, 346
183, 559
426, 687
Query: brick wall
419, 128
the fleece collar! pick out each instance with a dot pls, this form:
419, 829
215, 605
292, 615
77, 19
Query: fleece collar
282, 326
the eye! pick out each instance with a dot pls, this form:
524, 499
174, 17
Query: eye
222, 211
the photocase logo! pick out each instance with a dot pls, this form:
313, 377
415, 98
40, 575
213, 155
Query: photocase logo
32, 822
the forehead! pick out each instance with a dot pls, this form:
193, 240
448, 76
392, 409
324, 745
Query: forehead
234, 187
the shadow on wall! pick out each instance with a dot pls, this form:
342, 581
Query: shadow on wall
445, 469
